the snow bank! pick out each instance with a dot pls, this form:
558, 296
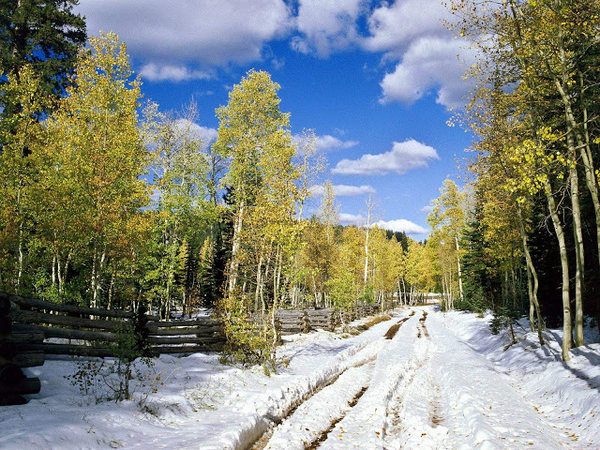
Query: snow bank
443, 383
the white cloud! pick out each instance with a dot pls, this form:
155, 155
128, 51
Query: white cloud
427, 209
327, 143
393, 26
429, 63
402, 225
207, 32
351, 219
157, 72
343, 190
189, 40
397, 225
206, 134
403, 157
413, 32
326, 25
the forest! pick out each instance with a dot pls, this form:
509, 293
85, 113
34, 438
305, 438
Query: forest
108, 201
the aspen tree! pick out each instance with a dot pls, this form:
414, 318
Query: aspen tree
447, 220
98, 159
21, 135
547, 51
179, 170
254, 134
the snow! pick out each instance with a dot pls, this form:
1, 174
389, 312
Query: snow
443, 382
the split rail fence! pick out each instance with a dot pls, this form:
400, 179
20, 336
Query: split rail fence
305, 320
30, 329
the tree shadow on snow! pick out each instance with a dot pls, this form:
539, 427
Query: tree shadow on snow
590, 355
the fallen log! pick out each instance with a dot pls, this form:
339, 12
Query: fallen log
24, 386
29, 359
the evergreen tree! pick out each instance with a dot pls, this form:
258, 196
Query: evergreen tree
46, 35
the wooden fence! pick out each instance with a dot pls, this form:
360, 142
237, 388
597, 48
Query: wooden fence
305, 320
13, 382
81, 331
31, 329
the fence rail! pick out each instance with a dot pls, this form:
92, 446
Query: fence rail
32, 328
82, 331
304, 320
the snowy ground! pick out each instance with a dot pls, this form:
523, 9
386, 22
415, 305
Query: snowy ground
442, 382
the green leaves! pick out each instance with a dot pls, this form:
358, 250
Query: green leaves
44, 35
93, 168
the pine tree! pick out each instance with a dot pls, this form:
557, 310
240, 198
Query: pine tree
44, 35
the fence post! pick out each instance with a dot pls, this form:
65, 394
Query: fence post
141, 329
305, 321
13, 382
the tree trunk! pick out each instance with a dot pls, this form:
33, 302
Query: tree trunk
562, 82
111, 291
532, 279
20, 259
62, 272
277, 276
459, 272
235, 248
579, 255
366, 269
54, 263
567, 342
258, 284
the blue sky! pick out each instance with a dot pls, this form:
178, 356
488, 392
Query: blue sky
375, 80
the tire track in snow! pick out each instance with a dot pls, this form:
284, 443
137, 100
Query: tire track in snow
327, 407
414, 414
316, 416
437, 417
270, 420
323, 436
394, 329
284, 424
365, 426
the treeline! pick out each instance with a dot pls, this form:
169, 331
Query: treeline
528, 239
105, 202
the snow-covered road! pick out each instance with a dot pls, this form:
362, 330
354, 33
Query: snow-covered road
423, 380
426, 389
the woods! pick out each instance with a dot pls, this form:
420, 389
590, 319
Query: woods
535, 123
109, 203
